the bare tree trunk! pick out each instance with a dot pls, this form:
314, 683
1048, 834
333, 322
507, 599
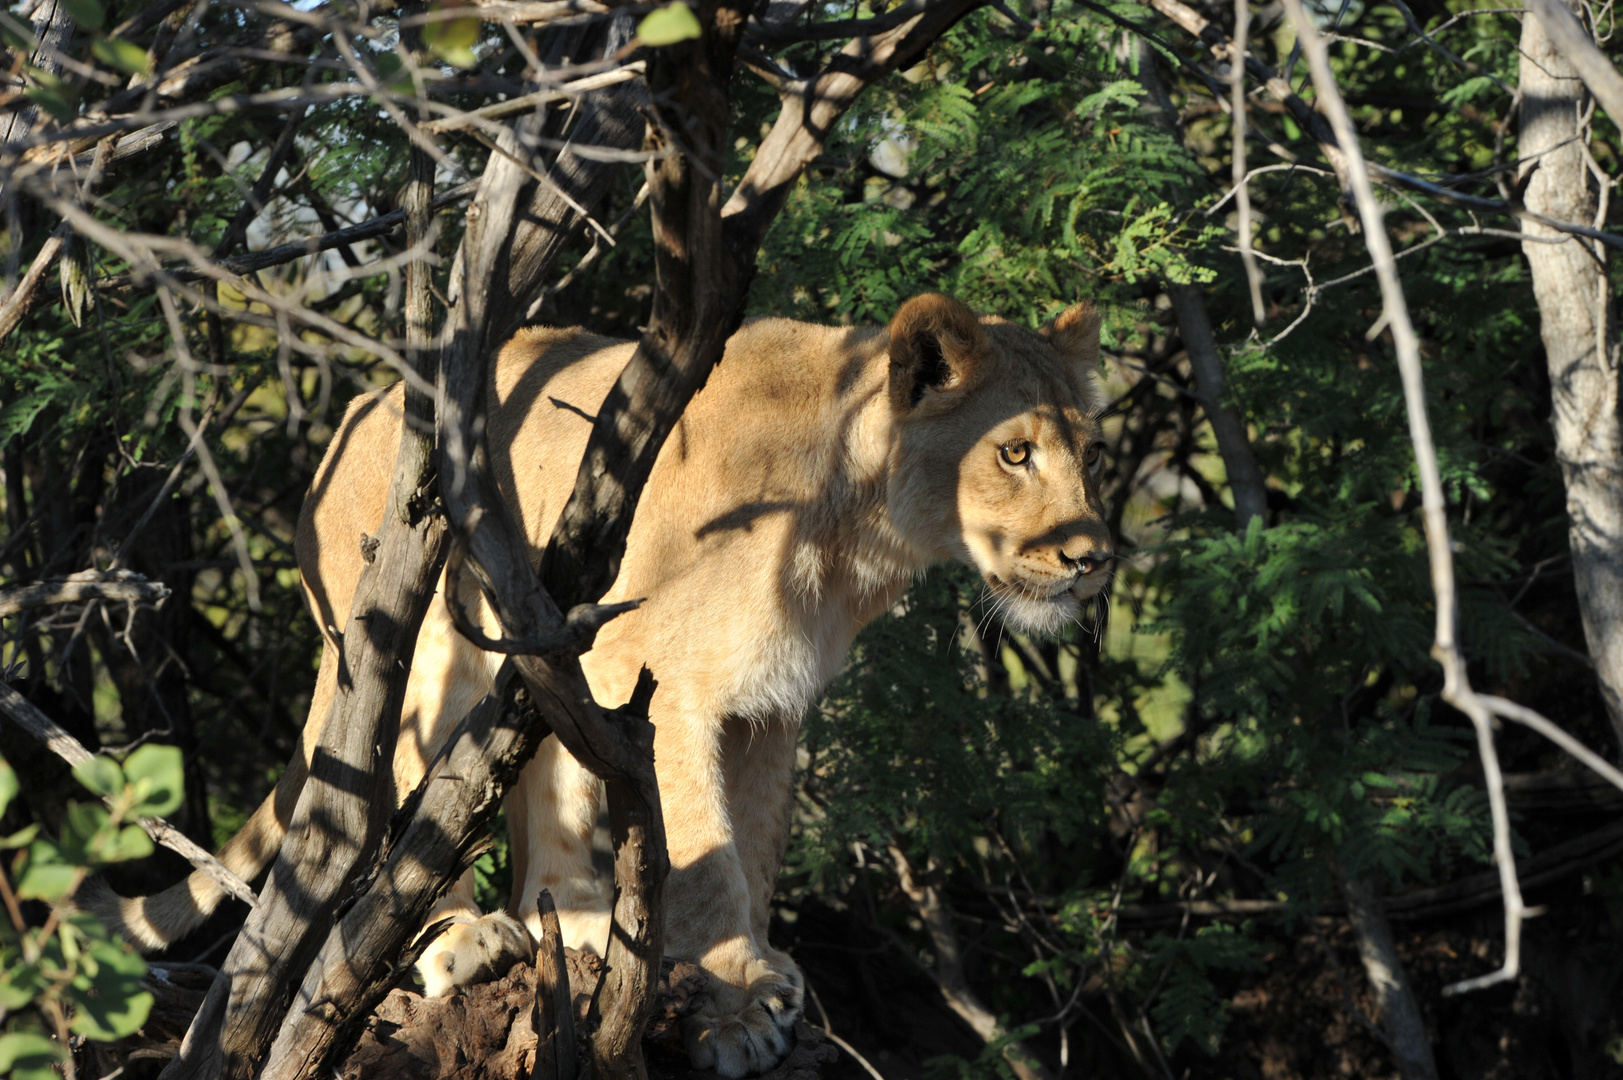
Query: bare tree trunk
1401, 1022
1580, 343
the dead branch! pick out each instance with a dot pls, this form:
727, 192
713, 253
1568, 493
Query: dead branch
553, 1016
1457, 689
527, 102
338, 822
72, 751
242, 265
123, 587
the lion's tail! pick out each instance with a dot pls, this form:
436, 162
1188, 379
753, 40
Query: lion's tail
153, 922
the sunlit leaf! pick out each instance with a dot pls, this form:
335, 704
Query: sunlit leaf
122, 55
452, 40
101, 775
668, 25
25, 1055
108, 999
157, 773
8, 784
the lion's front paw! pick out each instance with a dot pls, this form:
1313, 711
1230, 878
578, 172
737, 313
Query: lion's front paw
749, 1025
476, 951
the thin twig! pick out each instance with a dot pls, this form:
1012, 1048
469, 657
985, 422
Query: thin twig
1253, 273
1395, 317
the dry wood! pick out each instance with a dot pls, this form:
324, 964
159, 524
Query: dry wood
553, 1017
527, 102
71, 750
382, 225
122, 587
430, 841
485, 1033
1563, 34
1401, 1023
339, 819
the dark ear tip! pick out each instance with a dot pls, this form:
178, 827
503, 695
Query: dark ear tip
939, 314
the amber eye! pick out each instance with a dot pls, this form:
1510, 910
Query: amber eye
1015, 453
1095, 452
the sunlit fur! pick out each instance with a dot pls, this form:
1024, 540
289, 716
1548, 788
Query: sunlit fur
816, 473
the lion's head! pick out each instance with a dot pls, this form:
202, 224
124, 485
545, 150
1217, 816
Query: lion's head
996, 453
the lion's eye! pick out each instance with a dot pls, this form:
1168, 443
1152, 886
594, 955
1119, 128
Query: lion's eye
1015, 453
1091, 458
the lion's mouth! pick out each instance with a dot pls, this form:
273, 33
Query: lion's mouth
1033, 592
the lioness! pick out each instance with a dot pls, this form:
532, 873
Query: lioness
816, 473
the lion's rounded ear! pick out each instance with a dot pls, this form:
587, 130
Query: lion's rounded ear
1075, 332
935, 345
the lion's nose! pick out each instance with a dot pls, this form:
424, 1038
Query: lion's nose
1087, 557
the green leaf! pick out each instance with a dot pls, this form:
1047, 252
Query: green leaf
158, 774
62, 109
101, 775
19, 984
87, 13
123, 55
21, 838
668, 25
108, 998
46, 879
132, 842
86, 833
8, 784
452, 40
25, 1055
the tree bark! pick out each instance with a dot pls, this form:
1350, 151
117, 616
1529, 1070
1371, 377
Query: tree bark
552, 1016
1581, 348
1401, 1022
340, 816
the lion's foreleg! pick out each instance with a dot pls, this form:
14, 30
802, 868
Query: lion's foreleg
551, 816
720, 844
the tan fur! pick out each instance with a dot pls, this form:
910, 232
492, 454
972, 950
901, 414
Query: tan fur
815, 474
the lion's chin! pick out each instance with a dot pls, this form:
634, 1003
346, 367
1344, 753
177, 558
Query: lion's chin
1035, 614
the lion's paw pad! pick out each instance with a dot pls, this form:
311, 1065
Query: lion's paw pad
754, 1038
474, 952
